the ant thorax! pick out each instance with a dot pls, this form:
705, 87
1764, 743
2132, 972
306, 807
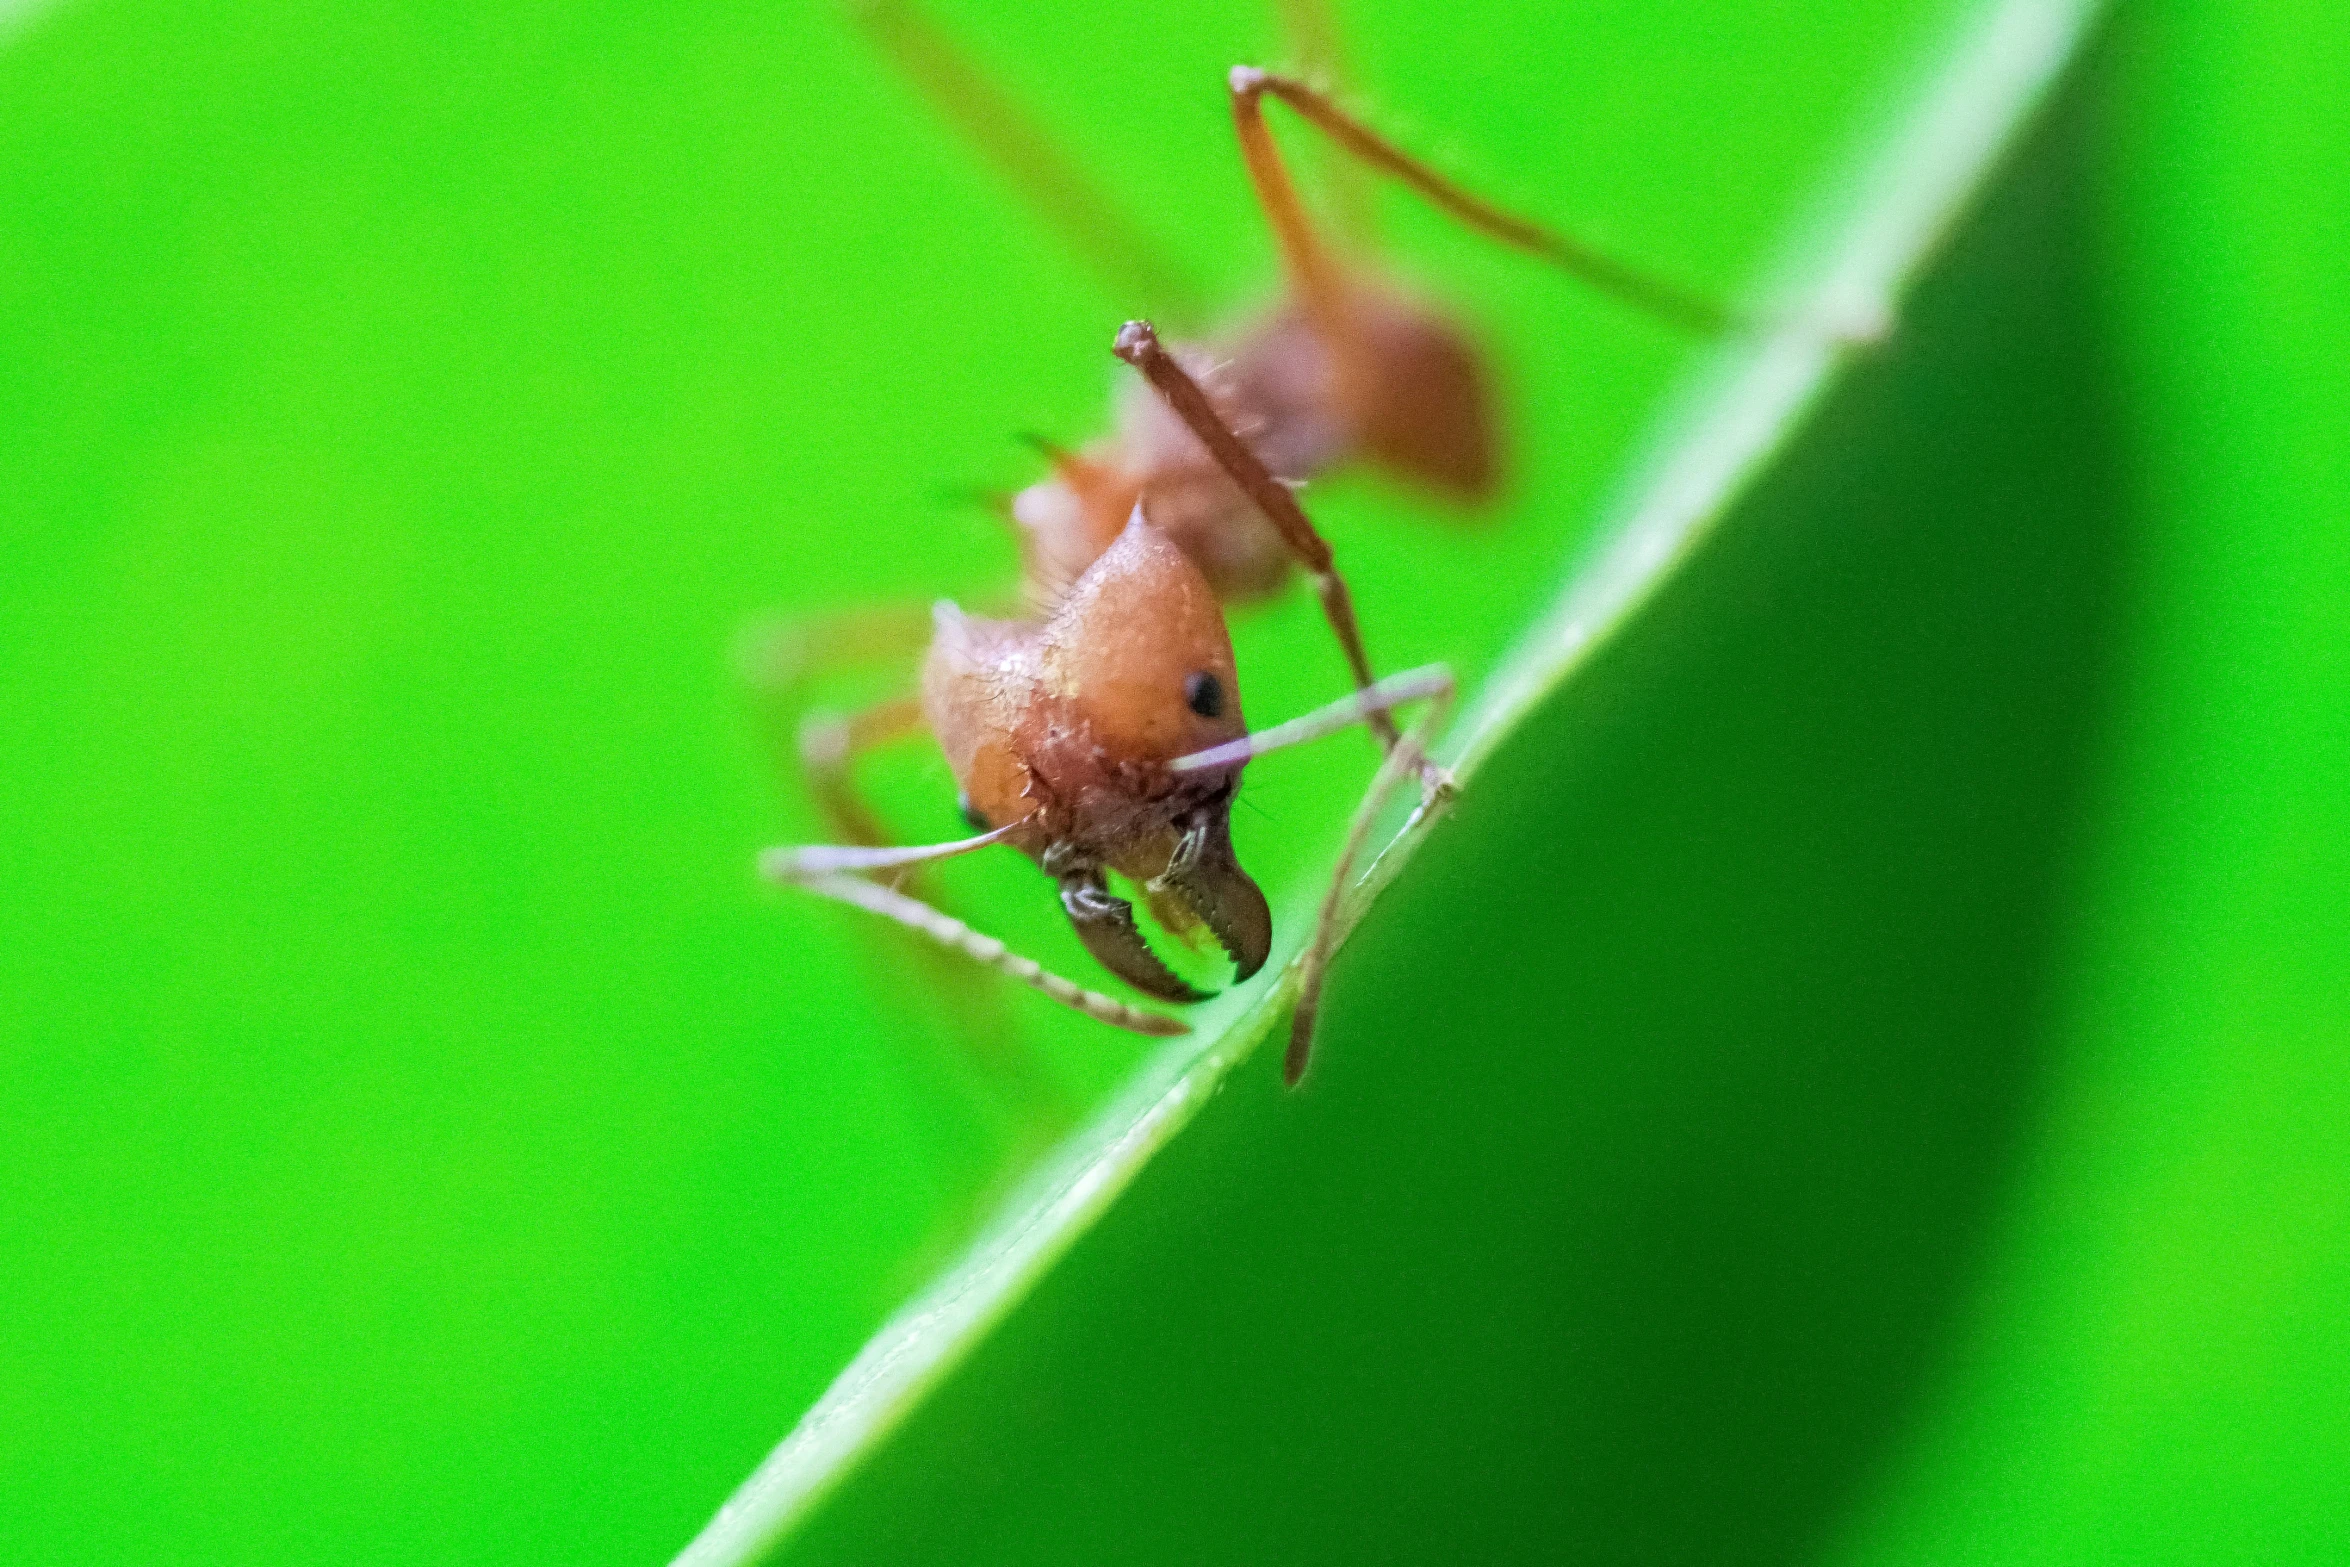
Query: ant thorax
1404, 391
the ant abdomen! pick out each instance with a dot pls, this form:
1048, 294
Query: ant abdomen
1421, 407
1389, 381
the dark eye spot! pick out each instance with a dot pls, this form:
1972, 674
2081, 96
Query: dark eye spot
970, 814
1203, 693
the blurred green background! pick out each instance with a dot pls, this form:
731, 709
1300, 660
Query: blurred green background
1863, 1078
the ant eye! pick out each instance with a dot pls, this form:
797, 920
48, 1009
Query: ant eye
970, 814
1203, 693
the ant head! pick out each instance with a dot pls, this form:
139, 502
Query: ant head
1065, 727
1137, 654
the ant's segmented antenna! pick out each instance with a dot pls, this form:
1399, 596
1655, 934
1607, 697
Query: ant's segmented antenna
807, 862
1664, 299
1432, 680
827, 870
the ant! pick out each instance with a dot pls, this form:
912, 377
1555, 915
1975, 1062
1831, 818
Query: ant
1105, 735
1103, 732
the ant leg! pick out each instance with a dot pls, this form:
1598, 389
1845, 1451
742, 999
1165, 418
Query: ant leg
830, 873
1138, 344
829, 747
1410, 755
780, 658
1314, 275
1050, 181
1659, 297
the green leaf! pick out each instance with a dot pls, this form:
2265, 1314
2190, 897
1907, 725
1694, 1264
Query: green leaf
1859, 1078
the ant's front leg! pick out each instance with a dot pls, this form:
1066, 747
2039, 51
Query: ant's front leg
1409, 755
1433, 685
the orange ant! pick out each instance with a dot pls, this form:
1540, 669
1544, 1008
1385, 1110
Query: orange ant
1105, 735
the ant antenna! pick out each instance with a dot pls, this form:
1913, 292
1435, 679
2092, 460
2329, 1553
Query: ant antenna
809, 861
1432, 680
